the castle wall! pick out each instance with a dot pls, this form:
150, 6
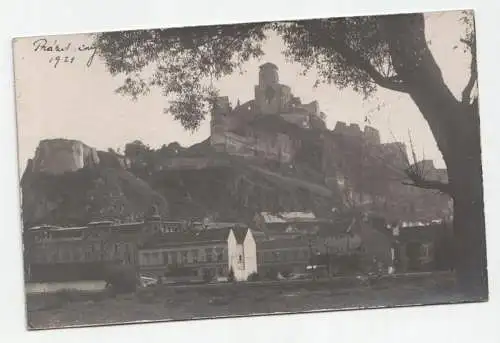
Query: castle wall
272, 99
312, 108
299, 119
371, 135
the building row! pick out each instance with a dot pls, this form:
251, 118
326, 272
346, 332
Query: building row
179, 251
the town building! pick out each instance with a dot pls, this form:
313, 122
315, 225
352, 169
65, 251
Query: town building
78, 253
423, 247
336, 244
288, 224
205, 255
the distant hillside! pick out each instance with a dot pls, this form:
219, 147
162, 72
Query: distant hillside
76, 198
238, 191
69, 183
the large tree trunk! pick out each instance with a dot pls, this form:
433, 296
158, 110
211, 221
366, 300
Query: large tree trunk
455, 126
469, 229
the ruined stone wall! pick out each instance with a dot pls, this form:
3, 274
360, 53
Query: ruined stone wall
300, 119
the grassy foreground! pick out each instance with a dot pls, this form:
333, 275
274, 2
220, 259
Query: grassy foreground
68, 308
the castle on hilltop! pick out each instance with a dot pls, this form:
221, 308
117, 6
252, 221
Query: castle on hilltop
256, 128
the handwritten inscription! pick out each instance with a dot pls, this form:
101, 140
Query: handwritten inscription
65, 53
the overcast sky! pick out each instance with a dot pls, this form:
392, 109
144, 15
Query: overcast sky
75, 101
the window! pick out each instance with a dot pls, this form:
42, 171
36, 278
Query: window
156, 257
146, 258
184, 257
220, 254
426, 250
194, 255
276, 255
167, 258
240, 258
208, 254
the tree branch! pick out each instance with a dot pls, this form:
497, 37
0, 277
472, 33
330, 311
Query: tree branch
417, 178
358, 61
466, 93
430, 184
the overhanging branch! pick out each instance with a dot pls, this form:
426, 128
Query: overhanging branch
417, 179
466, 93
430, 184
353, 57
358, 61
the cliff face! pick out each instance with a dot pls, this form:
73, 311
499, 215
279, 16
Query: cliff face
57, 156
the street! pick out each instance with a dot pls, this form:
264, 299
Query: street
168, 303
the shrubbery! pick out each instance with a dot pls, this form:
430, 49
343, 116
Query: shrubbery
230, 276
253, 277
122, 279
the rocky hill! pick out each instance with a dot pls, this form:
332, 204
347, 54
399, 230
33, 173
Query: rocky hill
62, 192
69, 183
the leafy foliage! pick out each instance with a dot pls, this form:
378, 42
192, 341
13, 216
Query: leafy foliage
346, 52
181, 62
254, 277
342, 50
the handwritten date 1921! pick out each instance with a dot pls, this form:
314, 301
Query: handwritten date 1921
55, 60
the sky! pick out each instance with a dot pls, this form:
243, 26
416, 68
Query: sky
77, 101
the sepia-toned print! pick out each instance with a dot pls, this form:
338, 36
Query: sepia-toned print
250, 169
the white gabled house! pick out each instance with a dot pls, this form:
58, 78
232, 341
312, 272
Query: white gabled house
242, 254
208, 254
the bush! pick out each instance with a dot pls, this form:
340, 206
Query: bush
207, 275
253, 277
121, 279
271, 274
230, 276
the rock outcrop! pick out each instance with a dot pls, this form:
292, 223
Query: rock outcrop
70, 183
57, 156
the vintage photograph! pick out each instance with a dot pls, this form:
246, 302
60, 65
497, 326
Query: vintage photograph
250, 169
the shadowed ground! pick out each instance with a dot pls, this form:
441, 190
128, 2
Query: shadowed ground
188, 302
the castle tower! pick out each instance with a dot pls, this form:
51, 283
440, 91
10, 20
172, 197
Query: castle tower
271, 97
268, 75
221, 109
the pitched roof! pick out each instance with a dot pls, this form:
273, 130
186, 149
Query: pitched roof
283, 243
286, 217
216, 236
240, 233
220, 225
